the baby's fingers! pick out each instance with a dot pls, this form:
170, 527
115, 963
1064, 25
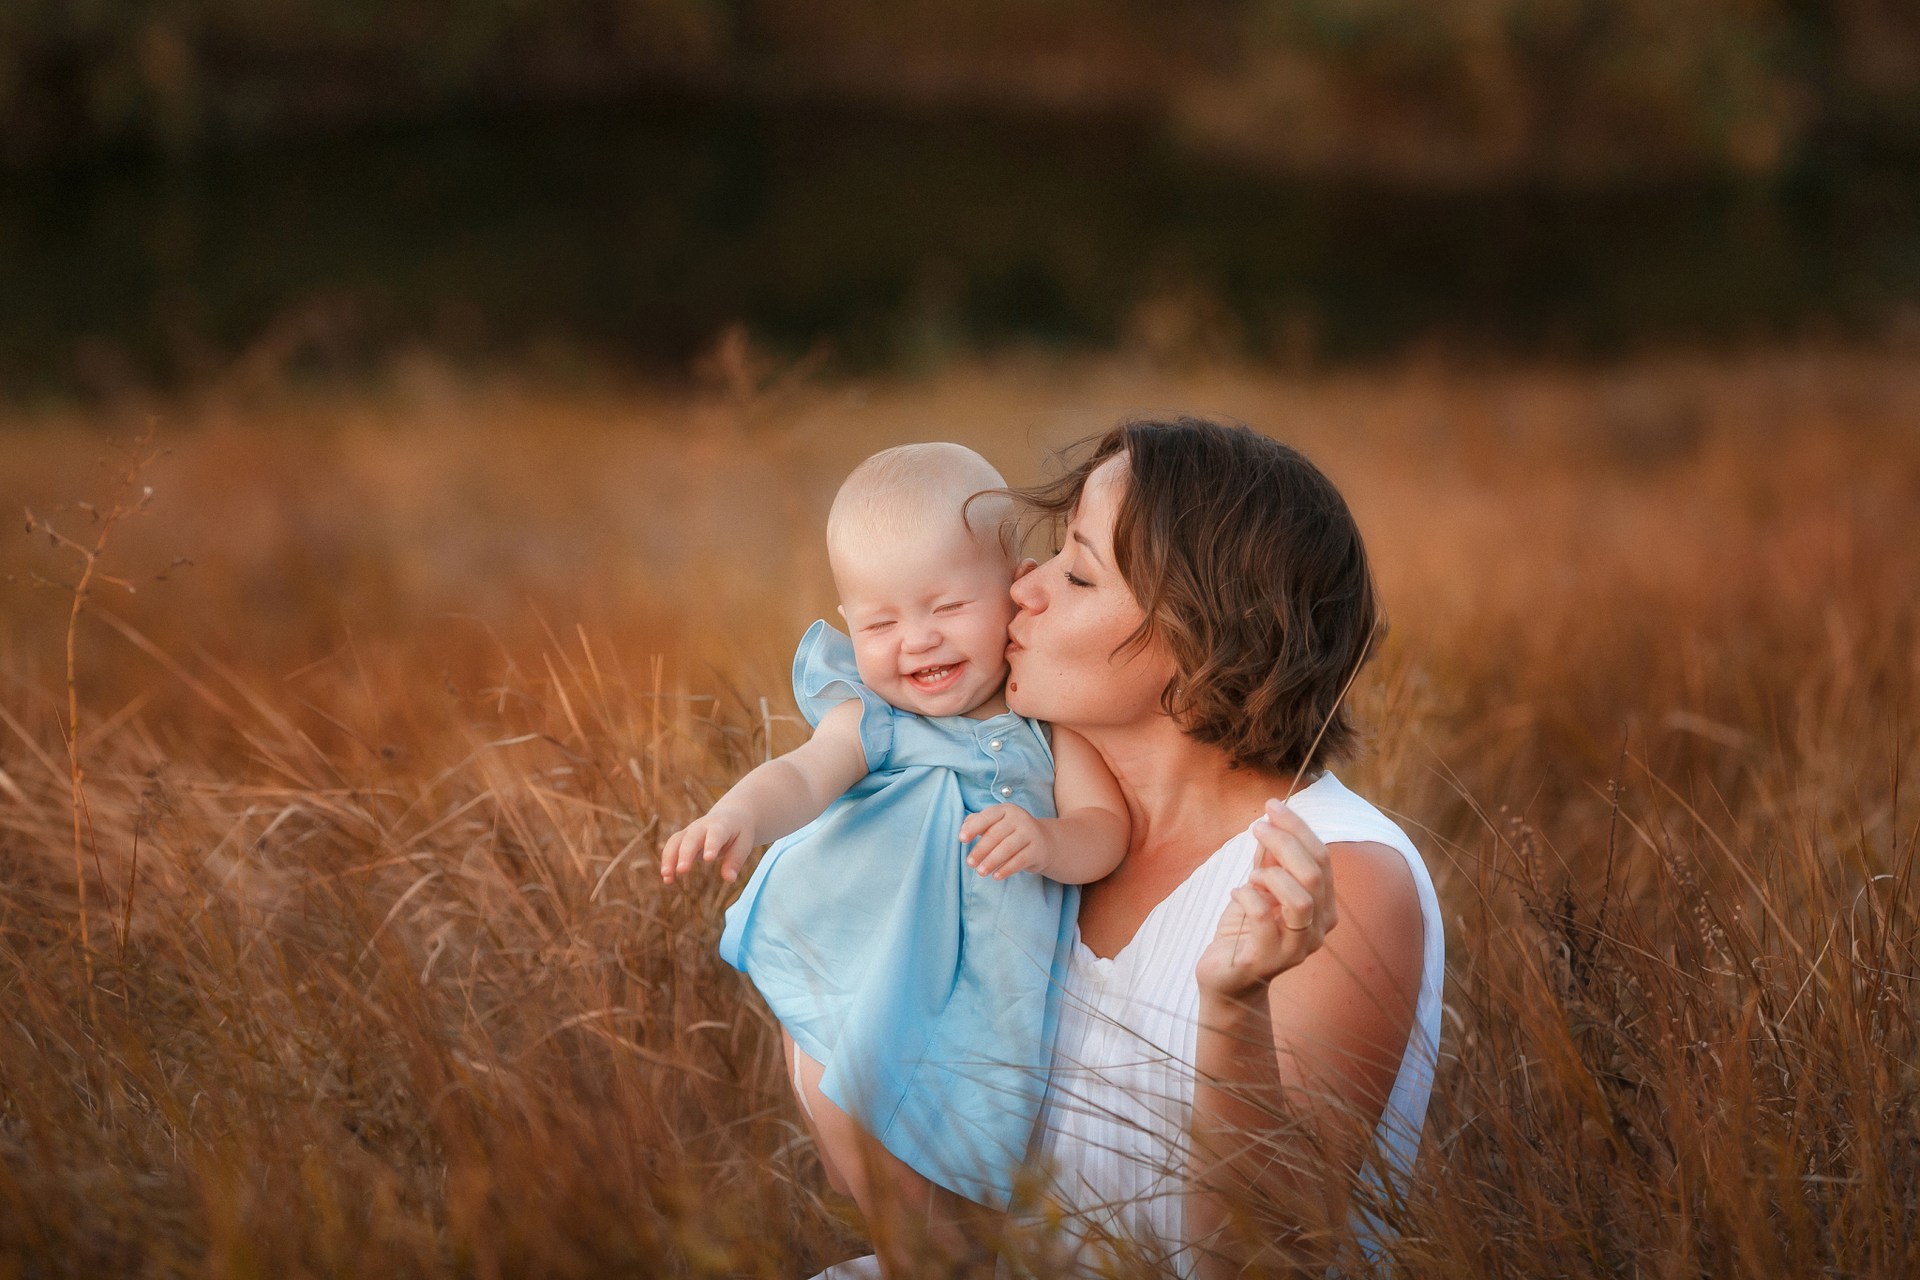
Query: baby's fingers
736, 853
1008, 856
983, 849
717, 841
670, 856
978, 824
689, 852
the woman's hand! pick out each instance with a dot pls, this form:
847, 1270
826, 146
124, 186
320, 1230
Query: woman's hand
1279, 917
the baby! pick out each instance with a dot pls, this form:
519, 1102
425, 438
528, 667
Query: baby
918, 997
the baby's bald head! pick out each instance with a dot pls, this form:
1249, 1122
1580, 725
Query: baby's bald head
907, 493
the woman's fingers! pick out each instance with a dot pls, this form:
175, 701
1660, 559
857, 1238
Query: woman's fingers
1279, 916
1282, 902
1270, 945
1253, 907
1292, 905
1286, 841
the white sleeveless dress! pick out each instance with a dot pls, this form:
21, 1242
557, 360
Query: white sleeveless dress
1120, 1098
1113, 1128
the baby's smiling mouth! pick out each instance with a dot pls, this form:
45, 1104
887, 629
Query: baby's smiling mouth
933, 675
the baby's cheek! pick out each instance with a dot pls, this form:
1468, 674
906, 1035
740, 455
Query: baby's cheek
874, 668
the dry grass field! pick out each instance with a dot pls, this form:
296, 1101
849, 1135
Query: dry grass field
331, 945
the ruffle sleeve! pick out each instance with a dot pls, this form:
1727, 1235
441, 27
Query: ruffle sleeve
824, 675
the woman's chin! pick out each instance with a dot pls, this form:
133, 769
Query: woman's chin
1023, 695
1019, 703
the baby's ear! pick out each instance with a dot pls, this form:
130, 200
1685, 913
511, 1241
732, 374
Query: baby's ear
1025, 567
841, 610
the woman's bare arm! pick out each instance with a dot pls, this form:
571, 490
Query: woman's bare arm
1294, 1069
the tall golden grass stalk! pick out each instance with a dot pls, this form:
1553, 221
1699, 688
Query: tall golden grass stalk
124, 502
400, 995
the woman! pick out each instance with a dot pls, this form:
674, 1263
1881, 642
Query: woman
1200, 626
1222, 1044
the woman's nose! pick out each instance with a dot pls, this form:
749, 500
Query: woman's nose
1026, 592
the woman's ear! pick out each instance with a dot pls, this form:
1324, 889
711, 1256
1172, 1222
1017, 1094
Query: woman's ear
1024, 568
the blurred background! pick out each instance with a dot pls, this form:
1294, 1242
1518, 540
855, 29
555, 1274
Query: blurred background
609, 184
459, 323
417, 421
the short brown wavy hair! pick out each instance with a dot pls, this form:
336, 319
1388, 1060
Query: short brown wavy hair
1251, 572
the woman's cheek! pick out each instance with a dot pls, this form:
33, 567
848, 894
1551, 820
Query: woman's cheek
1017, 701
1026, 692
1046, 690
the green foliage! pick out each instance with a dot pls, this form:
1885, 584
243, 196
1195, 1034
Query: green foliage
1572, 87
1430, 88
177, 73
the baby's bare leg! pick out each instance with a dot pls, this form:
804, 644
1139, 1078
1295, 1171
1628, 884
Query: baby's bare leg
805, 1073
912, 1220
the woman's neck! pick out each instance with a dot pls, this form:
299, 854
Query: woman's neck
1184, 798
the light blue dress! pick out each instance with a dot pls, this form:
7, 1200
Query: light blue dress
927, 991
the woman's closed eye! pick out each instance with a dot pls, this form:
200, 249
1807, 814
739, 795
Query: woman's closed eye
1076, 580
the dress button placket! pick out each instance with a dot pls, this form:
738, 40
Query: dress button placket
1001, 789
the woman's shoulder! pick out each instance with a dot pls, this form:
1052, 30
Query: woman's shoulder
1374, 860
1381, 871
1341, 816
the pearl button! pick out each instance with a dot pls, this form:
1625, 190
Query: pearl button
1005, 792
995, 745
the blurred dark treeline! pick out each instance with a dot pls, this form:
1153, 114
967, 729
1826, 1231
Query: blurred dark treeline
1424, 91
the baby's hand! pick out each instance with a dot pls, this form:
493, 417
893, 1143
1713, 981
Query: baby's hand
1008, 838
718, 835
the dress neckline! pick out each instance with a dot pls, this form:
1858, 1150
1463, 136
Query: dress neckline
1104, 964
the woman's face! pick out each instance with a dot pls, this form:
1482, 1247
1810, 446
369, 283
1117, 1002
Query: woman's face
1075, 610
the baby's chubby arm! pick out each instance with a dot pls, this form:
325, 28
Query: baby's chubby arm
776, 799
1083, 844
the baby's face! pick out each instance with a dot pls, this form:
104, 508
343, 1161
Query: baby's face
928, 616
